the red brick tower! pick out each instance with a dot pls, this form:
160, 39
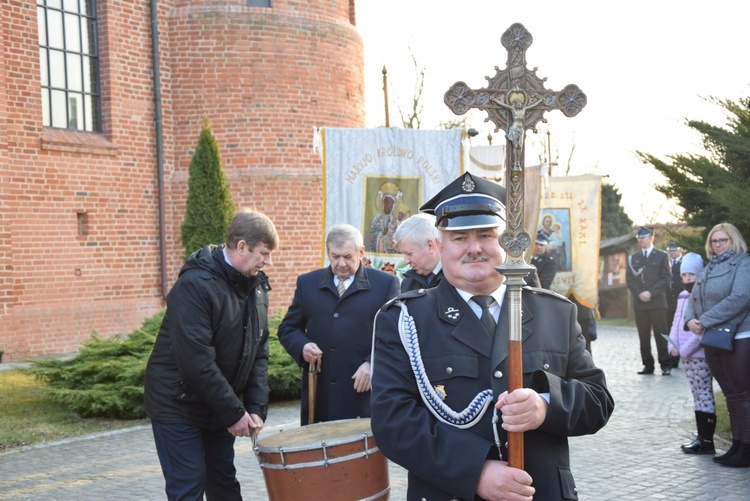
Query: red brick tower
264, 77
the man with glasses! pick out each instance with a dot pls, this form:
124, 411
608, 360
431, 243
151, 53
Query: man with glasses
648, 279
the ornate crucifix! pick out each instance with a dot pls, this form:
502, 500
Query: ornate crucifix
515, 100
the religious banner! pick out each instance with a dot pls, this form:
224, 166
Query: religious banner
487, 162
376, 178
570, 216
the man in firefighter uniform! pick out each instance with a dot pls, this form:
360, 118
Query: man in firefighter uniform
440, 406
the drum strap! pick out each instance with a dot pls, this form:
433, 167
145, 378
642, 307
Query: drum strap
466, 418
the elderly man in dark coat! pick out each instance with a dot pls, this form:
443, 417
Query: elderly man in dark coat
331, 318
418, 240
440, 405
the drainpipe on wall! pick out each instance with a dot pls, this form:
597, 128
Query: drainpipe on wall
159, 146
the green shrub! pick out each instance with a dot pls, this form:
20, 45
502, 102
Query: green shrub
284, 375
106, 378
209, 206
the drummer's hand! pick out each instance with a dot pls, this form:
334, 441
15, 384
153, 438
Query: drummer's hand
310, 352
255, 424
362, 378
500, 482
523, 410
242, 427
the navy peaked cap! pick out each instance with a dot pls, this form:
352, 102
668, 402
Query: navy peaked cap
468, 202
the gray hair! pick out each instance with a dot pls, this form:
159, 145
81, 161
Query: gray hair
419, 228
341, 234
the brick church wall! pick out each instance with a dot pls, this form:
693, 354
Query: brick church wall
79, 219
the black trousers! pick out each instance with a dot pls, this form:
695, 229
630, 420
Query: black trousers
196, 461
653, 322
732, 372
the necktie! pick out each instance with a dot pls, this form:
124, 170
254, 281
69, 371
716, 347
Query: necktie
645, 254
429, 278
341, 287
487, 320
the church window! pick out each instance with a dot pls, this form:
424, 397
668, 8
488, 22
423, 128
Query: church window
69, 62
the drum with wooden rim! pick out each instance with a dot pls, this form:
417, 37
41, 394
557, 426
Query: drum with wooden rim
337, 460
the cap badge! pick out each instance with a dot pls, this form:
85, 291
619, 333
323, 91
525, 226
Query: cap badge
452, 313
440, 391
468, 185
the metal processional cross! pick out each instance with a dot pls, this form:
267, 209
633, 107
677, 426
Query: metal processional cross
515, 100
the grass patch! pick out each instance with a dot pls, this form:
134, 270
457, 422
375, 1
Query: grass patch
723, 429
30, 417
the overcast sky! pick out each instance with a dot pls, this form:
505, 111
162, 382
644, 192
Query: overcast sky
645, 66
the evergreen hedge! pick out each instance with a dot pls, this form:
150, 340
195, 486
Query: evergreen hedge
106, 378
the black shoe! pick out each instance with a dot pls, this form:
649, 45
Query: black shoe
740, 459
646, 370
732, 450
699, 446
666, 371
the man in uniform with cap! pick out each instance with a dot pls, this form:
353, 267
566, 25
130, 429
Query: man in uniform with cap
546, 269
440, 406
418, 240
647, 276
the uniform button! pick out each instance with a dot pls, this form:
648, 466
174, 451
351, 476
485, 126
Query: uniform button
449, 370
335, 315
545, 367
498, 374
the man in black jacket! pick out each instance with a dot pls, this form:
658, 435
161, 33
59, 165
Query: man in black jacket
418, 240
207, 377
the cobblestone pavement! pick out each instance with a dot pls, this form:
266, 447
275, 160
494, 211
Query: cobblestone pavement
635, 457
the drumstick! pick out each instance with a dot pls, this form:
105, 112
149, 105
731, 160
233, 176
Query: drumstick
312, 385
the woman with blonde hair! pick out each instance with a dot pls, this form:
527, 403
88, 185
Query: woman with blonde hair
721, 295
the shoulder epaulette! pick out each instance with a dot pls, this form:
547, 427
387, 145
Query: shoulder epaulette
547, 292
404, 296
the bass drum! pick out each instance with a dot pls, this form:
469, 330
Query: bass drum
337, 460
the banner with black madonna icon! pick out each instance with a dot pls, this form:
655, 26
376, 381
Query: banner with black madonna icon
376, 178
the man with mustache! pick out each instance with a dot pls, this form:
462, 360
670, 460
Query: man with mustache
440, 405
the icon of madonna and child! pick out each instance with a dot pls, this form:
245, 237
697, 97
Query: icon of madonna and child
555, 223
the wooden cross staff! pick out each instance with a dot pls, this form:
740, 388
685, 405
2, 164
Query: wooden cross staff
515, 100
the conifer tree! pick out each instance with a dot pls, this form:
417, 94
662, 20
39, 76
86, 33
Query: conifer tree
210, 208
615, 221
713, 189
